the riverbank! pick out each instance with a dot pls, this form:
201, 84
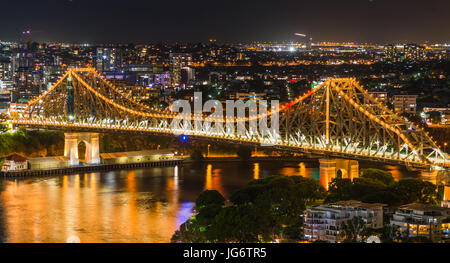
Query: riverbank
91, 168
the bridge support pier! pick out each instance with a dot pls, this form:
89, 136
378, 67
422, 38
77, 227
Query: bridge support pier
92, 147
332, 168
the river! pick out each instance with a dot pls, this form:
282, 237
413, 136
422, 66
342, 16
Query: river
143, 205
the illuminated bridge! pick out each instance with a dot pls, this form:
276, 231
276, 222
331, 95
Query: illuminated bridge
336, 118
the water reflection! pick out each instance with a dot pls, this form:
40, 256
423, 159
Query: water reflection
144, 205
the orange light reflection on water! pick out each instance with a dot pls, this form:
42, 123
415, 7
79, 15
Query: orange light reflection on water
53, 210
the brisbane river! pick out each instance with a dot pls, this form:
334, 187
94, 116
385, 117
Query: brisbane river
143, 205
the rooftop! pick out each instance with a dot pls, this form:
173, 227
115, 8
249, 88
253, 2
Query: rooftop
48, 159
355, 203
423, 207
16, 158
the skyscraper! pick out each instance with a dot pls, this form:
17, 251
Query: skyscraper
179, 61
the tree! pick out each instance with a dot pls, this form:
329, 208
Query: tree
353, 230
415, 190
339, 190
244, 224
261, 211
379, 175
200, 228
435, 117
365, 186
209, 198
390, 234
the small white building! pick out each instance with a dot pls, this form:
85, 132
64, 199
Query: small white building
15, 162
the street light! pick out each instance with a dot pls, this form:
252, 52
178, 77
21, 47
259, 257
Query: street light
209, 145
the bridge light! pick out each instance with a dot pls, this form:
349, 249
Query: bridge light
184, 138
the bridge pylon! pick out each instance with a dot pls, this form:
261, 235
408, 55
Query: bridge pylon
72, 140
331, 168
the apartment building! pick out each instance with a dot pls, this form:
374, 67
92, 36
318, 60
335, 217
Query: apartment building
423, 220
324, 222
405, 103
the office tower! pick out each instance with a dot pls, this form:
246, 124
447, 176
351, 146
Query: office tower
179, 61
108, 59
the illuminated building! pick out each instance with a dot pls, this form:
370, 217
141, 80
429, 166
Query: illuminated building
409, 52
248, 96
413, 52
392, 53
179, 62
153, 79
136, 157
50, 162
405, 103
108, 59
445, 113
14, 162
5, 69
420, 220
187, 75
324, 222
380, 96
27, 84
16, 109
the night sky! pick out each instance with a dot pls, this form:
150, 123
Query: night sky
132, 21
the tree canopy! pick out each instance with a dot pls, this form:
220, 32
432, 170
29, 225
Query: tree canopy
258, 212
377, 186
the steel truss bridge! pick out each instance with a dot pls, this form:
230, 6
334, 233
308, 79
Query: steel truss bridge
336, 118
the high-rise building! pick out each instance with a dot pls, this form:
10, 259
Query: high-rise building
409, 52
27, 84
108, 59
6, 69
405, 103
179, 61
392, 53
413, 52
187, 75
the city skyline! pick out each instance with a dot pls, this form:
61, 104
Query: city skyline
374, 21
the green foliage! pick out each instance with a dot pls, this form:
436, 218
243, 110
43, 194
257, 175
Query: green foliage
294, 231
339, 189
243, 223
244, 153
354, 230
32, 143
390, 234
376, 187
415, 190
263, 210
382, 176
209, 198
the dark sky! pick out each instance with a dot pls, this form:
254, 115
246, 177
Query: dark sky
101, 21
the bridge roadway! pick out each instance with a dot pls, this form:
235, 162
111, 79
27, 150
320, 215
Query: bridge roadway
291, 146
